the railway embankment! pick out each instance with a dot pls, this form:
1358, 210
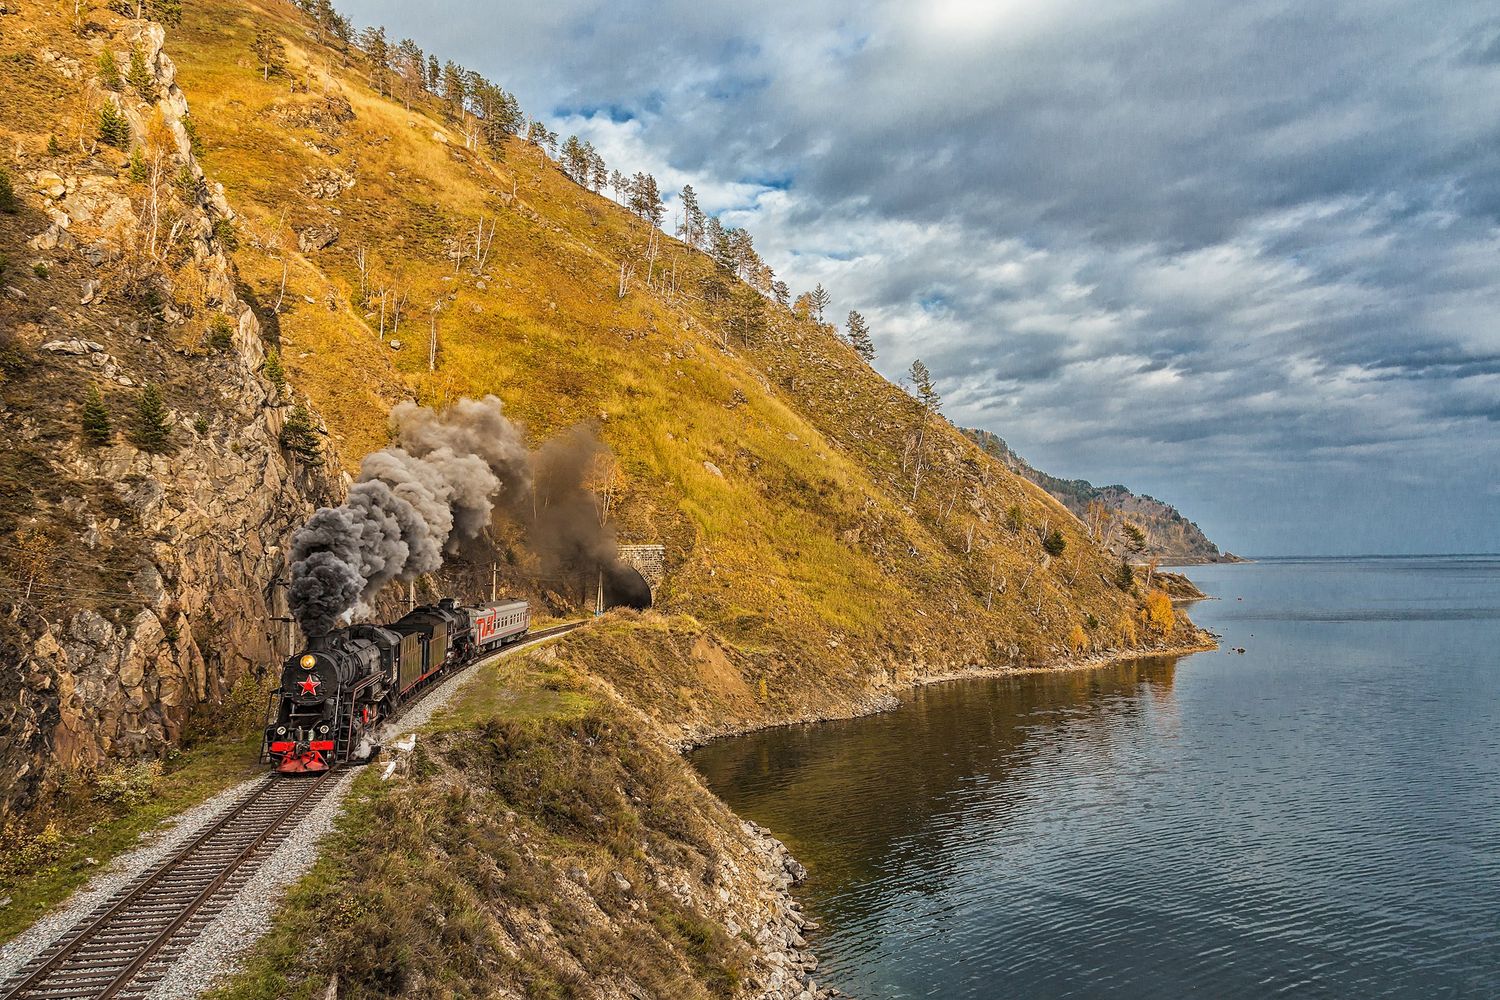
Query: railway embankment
540, 838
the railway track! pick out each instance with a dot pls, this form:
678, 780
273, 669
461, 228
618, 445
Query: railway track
126, 945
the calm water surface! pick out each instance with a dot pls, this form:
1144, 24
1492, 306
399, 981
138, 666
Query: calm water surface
1319, 817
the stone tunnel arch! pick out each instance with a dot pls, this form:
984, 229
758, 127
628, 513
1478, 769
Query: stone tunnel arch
646, 564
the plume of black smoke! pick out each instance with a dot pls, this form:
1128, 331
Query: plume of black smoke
569, 530
435, 487
425, 494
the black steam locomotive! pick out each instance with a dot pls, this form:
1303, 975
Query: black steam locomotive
334, 693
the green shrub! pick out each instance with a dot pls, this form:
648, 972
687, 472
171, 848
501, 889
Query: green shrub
53, 149
1054, 543
96, 424
128, 784
1015, 517
300, 437
114, 127
220, 335
1125, 575
189, 126
9, 203
140, 77
225, 234
137, 166
275, 374
40, 270
153, 428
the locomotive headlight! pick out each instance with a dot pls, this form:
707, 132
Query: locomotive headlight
308, 661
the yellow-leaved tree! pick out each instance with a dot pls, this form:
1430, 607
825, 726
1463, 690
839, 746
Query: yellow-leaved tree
1158, 615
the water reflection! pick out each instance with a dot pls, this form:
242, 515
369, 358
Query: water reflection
1320, 816
902, 799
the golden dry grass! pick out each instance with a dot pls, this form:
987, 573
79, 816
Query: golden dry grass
806, 545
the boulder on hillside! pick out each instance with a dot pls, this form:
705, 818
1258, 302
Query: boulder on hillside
316, 238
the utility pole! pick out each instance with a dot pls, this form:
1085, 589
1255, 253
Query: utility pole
411, 595
599, 595
494, 579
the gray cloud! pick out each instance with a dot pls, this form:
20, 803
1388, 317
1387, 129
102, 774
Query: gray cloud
1240, 255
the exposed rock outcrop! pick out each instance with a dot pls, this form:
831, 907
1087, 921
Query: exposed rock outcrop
99, 672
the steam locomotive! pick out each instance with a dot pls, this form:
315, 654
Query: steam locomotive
334, 693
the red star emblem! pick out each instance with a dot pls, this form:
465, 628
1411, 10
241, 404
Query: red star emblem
311, 684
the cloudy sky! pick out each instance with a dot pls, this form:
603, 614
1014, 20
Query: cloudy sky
1243, 256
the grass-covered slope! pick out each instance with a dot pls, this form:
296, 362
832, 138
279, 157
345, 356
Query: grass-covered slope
775, 465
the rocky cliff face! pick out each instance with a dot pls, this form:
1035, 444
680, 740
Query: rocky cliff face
1170, 535
137, 585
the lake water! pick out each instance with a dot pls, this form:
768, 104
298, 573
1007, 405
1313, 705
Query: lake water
1318, 817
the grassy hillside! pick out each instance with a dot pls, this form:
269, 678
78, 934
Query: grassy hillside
827, 541
776, 467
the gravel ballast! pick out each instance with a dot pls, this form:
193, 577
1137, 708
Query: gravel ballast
215, 953
157, 846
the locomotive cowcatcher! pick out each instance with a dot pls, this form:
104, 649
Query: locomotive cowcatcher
335, 692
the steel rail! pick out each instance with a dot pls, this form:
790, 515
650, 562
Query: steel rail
152, 879
207, 891
116, 914
102, 981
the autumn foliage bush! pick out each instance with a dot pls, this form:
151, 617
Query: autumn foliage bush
1157, 615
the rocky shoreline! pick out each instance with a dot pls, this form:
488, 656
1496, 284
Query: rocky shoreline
885, 695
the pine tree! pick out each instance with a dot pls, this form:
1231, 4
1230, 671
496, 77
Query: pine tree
820, 300
114, 127
139, 76
691, 229
645, 198
455, 88
927, 394
220, 335
923, 386
275, 374
378, 51
96, 425
270, 54
598, 173
859, 336
109, 72
1054, 543
300, 437
153, 426
575, 161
